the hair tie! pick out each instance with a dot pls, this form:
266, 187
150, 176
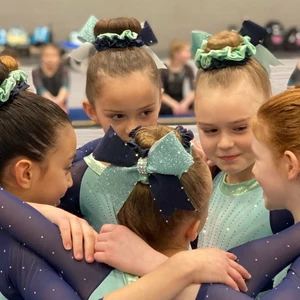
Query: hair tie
12, 85
93, 44
252, 35
160, 167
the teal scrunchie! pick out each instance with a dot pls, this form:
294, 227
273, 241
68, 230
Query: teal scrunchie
204, 59
10, 82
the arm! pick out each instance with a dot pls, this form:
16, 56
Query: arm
39, 86
64, 90
27, 275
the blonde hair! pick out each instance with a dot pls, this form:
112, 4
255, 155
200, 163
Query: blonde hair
177, 46
226, 77
10, 63
140, 214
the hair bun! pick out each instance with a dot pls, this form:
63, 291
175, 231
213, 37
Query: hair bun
224, 39
10, 63
117, 25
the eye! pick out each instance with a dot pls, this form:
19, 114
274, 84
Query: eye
240, 128
146, 113
210, 131
117, 117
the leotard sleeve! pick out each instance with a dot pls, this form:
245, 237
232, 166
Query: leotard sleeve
20, 221
264, 258
71, 200
24, 275
86, 150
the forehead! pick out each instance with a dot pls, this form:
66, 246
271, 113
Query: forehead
126, 93
227, 104
66, 143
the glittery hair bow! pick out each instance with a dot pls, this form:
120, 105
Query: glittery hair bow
93, 44
12, 85
252, 35
161, 167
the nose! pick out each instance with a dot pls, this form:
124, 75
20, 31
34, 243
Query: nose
130, 126
225, 142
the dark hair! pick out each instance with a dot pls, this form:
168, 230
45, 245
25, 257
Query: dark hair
10, 52
141, 215
116, 62
29, 125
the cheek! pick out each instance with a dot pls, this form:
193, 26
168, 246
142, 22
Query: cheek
208, 144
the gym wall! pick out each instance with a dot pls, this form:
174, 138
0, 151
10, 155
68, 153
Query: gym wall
169, 18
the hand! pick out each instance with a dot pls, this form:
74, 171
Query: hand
75, 232
211, 265
180, 109
122, 249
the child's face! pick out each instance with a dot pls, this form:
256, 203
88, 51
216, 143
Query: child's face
50, 57
52, 181
125, 103
270, 176
223, 117
184, 55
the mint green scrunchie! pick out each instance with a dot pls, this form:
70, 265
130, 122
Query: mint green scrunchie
9, 83
127, 33
204, 59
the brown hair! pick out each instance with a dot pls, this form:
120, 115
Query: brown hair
176, 46
53, 46
140, 213
118, 62
10, 63
226, 77
277, 122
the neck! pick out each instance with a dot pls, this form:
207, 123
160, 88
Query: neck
293, 204
242, 176
174, 250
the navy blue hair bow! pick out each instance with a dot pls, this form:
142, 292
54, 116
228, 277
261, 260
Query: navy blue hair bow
161, 167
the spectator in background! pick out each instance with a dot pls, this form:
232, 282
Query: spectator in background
51, 78
174, 80
9, 51
294, 80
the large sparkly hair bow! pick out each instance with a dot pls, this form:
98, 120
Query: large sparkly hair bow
12, 85
127, 38
161, 167
252, 35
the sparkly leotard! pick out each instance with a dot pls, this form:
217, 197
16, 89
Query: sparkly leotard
26, 236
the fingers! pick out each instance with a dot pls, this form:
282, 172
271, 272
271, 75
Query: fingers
89, 240
231, 256
230, 282
240, 269
238, 279
77, 237
65, 231
108, 228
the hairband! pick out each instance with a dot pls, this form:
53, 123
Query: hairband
160, 166
93, 44
251, 34
12, 85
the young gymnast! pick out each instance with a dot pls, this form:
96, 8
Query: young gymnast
181, 178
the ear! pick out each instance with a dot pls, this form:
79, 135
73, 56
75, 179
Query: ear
193, 230
292, 164
23, 174
90, 111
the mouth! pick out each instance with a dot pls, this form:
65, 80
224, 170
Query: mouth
229, 158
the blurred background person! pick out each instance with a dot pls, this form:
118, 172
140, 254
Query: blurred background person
51, 78
178, 81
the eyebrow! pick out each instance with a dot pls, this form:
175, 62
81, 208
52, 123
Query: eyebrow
231, 123
119, 112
